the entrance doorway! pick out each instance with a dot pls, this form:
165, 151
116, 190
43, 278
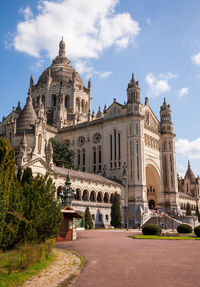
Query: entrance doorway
153, 187
152, 204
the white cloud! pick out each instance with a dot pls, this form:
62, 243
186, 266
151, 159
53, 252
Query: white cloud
27, 13
149, 21
190, 149
83, 67
158, 85
183, 92
105, 74
88, 27
196, 59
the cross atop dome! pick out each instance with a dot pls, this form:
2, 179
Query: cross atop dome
62, 48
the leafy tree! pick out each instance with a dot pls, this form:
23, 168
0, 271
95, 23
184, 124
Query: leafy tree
42, 210
115, 211
62, 156
11, 205
188, 209
88, 219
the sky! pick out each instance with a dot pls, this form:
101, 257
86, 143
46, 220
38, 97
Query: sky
107, 41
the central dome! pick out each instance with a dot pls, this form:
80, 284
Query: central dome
60, 70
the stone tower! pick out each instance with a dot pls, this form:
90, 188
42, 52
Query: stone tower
169, 157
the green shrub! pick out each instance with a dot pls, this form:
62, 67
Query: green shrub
25, 256
197, 231
151, 229
184, 228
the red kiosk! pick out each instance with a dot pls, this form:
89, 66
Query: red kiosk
68, 228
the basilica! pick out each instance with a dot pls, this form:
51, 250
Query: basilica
124, 148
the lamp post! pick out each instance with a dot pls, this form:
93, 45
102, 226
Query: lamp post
66, 195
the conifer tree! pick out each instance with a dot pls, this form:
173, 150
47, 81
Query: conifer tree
11, 206
188, 209
41, 209
115, 211
197, 212
88, 219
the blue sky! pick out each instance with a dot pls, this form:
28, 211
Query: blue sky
108, 40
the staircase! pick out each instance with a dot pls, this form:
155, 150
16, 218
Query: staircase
162, 219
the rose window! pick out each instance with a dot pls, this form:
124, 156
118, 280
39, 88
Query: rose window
96, 138
81, 141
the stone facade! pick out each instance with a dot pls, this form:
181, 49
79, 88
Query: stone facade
126, 146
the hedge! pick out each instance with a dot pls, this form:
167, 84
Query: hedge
184, 228
151, 229
197, 231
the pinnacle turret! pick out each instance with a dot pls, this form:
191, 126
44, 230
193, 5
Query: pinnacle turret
62, 48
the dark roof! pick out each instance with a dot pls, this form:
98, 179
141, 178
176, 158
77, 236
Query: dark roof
27, 118
83, 175
183, 194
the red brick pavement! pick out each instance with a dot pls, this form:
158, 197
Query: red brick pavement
114, 260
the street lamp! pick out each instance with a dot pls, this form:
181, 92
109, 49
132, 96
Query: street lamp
66, 195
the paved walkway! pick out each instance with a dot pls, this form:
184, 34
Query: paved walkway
114, 260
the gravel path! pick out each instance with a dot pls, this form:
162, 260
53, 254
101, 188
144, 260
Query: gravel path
64, 265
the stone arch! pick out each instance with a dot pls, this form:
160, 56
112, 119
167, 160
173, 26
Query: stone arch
106, 197
111, 197
92, 196
154, 186
78, 194
83, 106
78, 104
85, 196
99, 197
59, 189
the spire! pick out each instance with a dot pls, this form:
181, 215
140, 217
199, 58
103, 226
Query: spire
62, 48
133, 91
31, 81
99, 113
89, 84
189, 173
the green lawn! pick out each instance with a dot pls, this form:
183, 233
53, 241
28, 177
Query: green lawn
17, 278
181, 237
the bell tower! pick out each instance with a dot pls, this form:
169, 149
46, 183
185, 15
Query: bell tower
168, 158
133, 96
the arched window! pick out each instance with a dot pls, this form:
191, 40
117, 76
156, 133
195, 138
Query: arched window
92, 196
78, 104
78, 158
53, 100
106, 198
85, 195
99, 197
39, 143
111, 197
99, 157
43, 100
83, 106
67, 102
59, 190
83, 159
94, 159
78, 194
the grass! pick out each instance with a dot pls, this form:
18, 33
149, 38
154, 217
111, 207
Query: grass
17, 278
81, 258
181, 237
